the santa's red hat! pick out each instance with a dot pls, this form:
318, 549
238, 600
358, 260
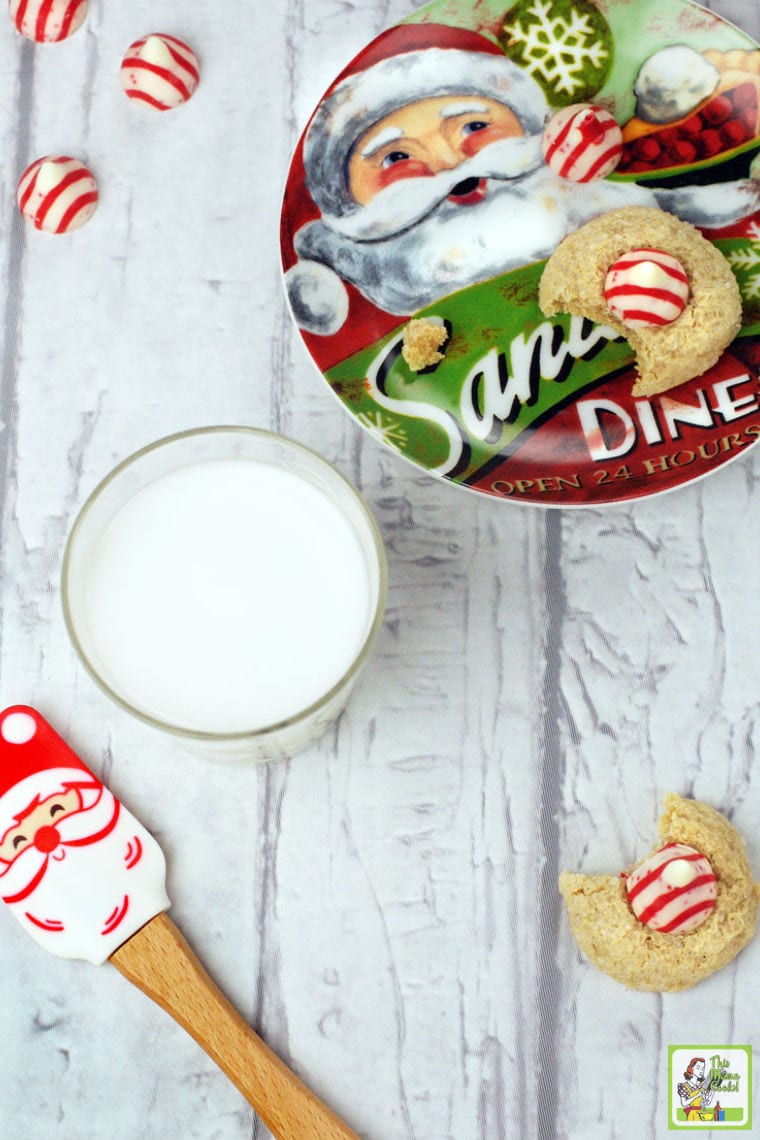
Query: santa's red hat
408, 63
34, 761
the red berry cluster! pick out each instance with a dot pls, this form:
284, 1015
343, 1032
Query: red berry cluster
724, 123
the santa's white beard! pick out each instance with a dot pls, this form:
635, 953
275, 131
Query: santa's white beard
84, 886
521, 219
456, 245
75, 828
405, 202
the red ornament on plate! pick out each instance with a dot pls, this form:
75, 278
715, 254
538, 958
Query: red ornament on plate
582, 142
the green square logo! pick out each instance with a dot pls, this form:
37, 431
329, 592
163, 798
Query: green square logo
710, 1087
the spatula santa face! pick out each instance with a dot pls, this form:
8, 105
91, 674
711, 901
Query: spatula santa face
77, 870
86, 880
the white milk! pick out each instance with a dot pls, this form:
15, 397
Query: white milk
226, 596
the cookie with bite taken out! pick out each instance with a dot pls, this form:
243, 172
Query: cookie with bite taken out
575, 280
678, 915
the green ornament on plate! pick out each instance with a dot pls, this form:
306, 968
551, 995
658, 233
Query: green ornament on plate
565, 45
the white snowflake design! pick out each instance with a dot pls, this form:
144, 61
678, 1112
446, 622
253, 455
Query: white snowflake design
389, 431
556, 48
746, 265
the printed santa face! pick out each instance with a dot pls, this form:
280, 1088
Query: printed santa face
78, 871
428, 136
428, 171
36, 824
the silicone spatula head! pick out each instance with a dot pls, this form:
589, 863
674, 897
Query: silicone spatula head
77, 870
87, 881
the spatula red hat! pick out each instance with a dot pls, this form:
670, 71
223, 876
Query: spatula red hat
34, 761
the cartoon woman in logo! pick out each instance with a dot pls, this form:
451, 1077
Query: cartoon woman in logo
695, 1093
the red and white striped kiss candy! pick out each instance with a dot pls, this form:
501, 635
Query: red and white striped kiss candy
674, 890
47, 21
582, 142
160, 71
57, 194
646, 287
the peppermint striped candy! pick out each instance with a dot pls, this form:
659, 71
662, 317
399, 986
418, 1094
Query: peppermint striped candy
160, 71
582, 142
57, 194
674, 890
47, 21
646, 287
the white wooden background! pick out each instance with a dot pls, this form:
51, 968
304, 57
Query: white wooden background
383, 908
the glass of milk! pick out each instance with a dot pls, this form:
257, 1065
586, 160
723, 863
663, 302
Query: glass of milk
225, 585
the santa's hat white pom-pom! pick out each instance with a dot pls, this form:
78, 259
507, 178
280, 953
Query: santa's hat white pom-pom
45, 21
317, 296
18, 727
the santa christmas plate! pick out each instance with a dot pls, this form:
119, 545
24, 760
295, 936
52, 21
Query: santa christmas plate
424, 188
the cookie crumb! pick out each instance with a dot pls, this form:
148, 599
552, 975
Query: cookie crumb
423, 340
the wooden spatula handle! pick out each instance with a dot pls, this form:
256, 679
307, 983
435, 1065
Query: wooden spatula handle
159, 961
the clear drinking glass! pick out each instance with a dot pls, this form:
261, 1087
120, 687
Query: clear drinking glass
112, 509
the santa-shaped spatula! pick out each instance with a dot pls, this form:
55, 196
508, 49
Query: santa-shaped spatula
86, 880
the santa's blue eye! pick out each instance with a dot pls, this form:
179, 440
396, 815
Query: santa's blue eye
475, 125
394, 157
